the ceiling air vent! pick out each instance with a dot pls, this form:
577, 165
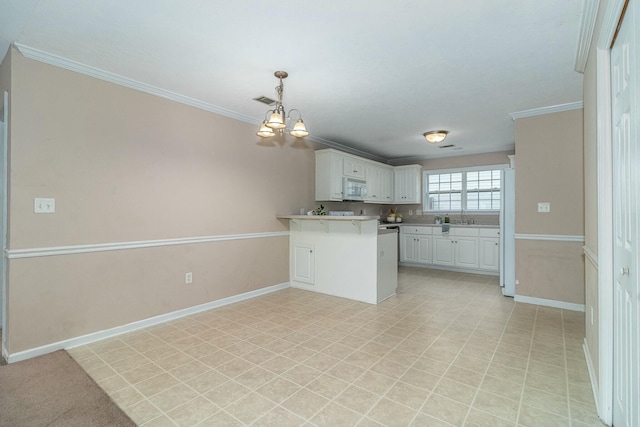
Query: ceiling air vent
265, 100
446, 146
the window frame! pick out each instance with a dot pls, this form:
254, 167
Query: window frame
463, 192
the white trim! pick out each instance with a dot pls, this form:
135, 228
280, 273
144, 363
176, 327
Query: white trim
605, 209
592, 373
103, 247
547, 110
87, 70
3, 226
549, 303
587, 25
550, 237
593, 258
134, 326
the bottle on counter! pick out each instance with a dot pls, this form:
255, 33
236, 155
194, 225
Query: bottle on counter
446, 219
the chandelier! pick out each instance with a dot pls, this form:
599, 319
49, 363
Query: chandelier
277, 121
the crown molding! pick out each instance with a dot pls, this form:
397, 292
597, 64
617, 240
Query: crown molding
450, 153
547, 110
87, 70
587, 26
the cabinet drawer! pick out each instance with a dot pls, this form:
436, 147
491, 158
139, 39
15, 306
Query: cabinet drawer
407, 229
490, 232
459, 231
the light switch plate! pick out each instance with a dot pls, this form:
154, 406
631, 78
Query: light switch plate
44, 205
544, 207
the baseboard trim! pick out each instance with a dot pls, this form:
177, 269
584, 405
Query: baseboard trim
452, 269
549, 303
134, 326
592, 374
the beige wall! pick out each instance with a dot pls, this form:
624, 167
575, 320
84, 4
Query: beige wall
549, 168
128, 166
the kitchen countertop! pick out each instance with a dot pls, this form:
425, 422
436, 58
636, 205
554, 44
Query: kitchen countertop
330, 217
417, 224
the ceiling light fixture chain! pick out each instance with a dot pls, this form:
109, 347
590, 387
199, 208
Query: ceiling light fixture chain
277, 117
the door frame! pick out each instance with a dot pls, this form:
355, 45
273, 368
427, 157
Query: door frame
4, 143
604, 400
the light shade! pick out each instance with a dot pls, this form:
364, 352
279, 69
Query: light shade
276, 121
265, 131
435, 136
299, 129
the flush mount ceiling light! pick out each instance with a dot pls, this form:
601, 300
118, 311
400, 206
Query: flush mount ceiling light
435, 136
277, 118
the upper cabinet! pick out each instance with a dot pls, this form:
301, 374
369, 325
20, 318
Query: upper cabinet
332, 166
407, 184
379, 183
329, 174
353, 167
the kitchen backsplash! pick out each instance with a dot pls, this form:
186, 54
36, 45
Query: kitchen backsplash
359, 208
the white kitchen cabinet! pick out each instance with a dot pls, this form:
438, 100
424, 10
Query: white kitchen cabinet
416, 246
329, 175
386, 184
353, 167
303, 265
379, 183
489, 250
443, 250
407, 184
466, 252
463, 248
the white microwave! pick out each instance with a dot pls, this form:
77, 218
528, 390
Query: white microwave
354, 189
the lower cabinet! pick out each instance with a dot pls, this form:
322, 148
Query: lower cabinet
490, 249
416, 248
461, 248
443, 250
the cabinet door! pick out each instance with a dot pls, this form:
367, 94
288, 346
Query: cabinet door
374, 188
466, 252
399, 186
407, 184
328, 176
408, 248
303, 264
386, 185
489, 254
353, 167
424, 249
443, 251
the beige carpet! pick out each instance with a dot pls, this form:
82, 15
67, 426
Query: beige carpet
53, 390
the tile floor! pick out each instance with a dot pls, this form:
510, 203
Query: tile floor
449, 349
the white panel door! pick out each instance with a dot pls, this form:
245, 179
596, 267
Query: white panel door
303, 265
466, 252
625, 221
443, 251
424, 249
408, 248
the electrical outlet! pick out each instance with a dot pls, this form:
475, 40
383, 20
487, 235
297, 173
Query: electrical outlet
410, 212
188, 278
42, 205
544, 207
418, 212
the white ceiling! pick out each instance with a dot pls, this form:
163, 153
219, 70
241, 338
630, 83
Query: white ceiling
372, 75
